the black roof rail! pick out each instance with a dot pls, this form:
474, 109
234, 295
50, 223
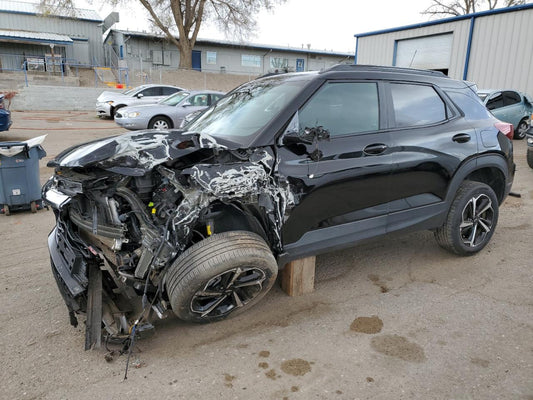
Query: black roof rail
382, 68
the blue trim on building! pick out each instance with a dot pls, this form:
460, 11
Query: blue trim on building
41, 41
447, 20
356, 48
53, 16
394, 52
469, 47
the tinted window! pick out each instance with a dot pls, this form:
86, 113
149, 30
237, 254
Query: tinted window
416, 105
167, 91
510, 97
472, 109
152, 91
496, 101
342, 108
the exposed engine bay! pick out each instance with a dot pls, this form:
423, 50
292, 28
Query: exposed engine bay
127, 207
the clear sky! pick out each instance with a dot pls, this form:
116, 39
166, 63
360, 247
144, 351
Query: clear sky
324, 24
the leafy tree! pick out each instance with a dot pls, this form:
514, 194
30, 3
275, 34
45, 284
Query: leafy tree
461, 7
185, 17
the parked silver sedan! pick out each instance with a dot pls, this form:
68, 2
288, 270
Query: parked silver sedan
168, 113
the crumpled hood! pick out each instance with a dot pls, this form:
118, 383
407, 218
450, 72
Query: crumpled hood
137, 152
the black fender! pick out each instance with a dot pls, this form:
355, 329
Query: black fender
471, 170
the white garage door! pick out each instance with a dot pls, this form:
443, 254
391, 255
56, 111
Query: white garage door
428, 52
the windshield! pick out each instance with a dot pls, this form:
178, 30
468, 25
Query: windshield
129, 91
242, 114
175, 98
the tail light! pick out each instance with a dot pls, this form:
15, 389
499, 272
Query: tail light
1, 105
505, 128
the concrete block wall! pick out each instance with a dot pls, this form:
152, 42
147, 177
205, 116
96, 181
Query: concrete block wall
56, 98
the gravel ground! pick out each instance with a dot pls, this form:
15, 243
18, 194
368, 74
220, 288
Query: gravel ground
397, 318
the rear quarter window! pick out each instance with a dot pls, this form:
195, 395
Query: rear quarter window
471, 107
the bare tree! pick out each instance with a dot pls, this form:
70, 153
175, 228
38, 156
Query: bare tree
462, 7
185, 17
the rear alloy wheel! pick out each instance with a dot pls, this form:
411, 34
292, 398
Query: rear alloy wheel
222, 275
471, 219
160, 123
521, 130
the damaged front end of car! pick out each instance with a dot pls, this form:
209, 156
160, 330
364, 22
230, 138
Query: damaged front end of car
127, 207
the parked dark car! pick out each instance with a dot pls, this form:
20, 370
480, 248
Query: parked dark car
197, 222
510, 106
5, 115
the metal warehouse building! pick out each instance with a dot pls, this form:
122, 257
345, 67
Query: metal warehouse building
493, 48
29, 34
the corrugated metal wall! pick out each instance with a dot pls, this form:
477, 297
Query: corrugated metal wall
70, 27
501, 54
379, 49
502, 51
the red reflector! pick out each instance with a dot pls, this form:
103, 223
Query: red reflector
1, 105
505, 128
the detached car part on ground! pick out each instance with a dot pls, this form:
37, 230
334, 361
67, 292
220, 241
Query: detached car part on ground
108, 103
197, 222
167, 113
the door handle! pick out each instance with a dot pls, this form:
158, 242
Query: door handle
374, 149
461, 138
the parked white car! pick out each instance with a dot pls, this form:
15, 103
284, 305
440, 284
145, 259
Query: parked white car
109, 102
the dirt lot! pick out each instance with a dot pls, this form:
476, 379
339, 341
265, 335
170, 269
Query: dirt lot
398, 318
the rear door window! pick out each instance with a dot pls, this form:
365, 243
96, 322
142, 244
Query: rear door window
416, 105
510, 97
342, 108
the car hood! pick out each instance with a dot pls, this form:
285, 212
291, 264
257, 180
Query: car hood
136, 153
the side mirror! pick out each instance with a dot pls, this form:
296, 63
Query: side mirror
139, 95
186, 104
308, 136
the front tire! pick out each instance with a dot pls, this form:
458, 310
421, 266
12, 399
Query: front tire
471, 219
223, 275
521, 129
159, 122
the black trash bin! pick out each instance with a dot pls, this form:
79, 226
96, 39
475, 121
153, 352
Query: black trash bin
20, 187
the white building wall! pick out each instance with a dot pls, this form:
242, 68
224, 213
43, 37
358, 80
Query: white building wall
502, 51
501, 54
379, 49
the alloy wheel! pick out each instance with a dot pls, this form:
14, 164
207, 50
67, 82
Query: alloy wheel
477, 220
227, 291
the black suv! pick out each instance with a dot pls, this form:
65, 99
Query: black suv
283, 167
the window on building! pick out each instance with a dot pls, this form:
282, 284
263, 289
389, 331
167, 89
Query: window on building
279, 63
342, 108
211, 57
248, 60
416, 105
